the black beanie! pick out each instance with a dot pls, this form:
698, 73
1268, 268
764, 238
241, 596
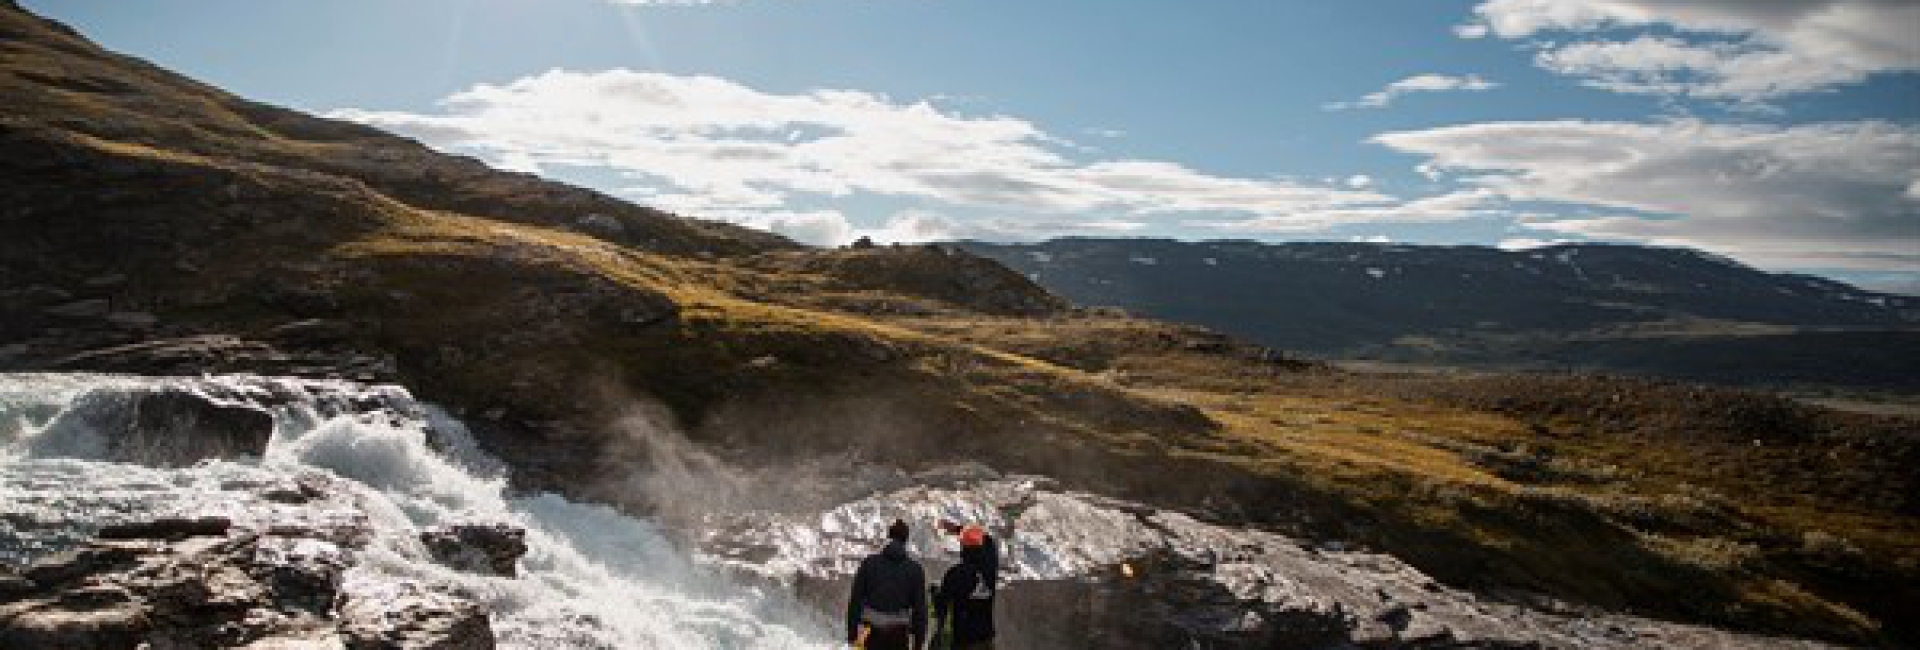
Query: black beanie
898, 531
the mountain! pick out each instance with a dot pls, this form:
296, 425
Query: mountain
1644, 310
413, 340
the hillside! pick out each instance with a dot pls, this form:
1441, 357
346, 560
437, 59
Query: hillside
156, 225
1642, 310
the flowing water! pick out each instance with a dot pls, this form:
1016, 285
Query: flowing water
592, 577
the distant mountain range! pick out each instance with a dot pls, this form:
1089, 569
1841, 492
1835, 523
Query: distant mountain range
1644, 310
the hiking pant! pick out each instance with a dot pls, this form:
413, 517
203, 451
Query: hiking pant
893, 638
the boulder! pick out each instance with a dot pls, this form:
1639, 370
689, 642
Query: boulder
409, 614
176, 427
160, 427
479, 548
170, 583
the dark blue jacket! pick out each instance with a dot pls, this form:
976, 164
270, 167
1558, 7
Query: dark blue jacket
889, 590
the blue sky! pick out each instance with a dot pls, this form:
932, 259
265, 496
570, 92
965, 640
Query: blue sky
1785, 134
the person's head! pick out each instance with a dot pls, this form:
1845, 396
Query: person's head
972, 536
898, 531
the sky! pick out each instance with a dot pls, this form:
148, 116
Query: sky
1785, 134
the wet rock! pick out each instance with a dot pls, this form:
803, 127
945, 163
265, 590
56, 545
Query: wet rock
168, 528
199, 592
165, 427
303, 572
479, 548
384, 614
89, 308
65, 625
301, 489
270, 577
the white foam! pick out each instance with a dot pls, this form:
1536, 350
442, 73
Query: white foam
592, 577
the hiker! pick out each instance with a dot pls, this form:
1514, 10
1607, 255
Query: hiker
888, 607
967, 591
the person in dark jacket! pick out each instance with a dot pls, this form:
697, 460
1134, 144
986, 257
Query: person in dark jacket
968, 590
889, 600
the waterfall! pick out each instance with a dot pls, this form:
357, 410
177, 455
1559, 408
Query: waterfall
592, 577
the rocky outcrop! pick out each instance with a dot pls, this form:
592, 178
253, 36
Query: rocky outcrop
306, 348
480, 548
177, 583
190, 592
161, 427
408, 614
1121, 575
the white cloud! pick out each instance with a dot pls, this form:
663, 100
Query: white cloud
1744, 51
1834, 195
1453, 206
1424, 83
1527, 243
1359, 181
816, 227
711, 147
831, 228
915, 226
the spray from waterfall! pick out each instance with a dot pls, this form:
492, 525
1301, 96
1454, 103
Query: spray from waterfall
592, 577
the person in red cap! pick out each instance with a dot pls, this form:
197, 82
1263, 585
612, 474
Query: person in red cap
968, 590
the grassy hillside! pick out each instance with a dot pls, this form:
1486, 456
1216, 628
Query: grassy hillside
143, 207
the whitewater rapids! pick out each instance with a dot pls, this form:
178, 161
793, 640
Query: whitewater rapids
591, 578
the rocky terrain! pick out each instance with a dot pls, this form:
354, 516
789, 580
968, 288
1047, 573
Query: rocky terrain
1650, 311
286, 543
609, 361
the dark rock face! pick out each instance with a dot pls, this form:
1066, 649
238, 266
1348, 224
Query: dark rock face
168, 427
180, 583
479, 548
410, 615
200, 592
308, 348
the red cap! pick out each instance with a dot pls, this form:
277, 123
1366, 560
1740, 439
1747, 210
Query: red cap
972, 536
